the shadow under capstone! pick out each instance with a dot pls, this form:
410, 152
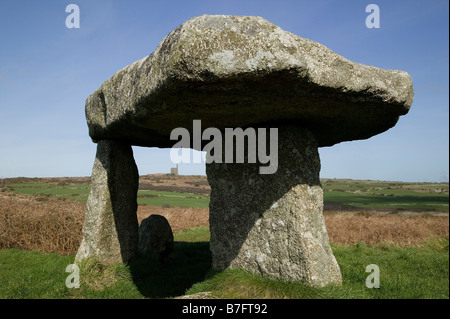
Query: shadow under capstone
188, 264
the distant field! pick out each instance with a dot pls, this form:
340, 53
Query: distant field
163, 199
390, 196
193, 191
80, 192
395, 201
77, 192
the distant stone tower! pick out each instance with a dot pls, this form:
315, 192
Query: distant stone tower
174, 170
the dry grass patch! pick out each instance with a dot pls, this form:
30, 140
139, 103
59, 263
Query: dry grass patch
179, 218
349, 228
40, 223
47, 224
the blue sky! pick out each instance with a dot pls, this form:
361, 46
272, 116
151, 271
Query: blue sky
48, 70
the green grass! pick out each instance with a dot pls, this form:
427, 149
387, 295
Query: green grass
77, 192
172, 198
80, 192
392, 201
387, 195
369, 185
196, 234
411, 193
404, 273
31, 274
394, 196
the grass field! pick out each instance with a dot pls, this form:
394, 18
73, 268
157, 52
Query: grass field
395, 201
390, 196
41, 221
404, 273
164, 198
80, 192
341, 194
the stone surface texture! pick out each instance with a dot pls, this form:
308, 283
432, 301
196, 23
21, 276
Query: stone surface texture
110, 230
273, 224
155, 237
239, 71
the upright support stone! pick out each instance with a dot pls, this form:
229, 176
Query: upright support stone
110, 231
273, 224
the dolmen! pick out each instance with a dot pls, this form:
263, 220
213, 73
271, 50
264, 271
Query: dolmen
242, 84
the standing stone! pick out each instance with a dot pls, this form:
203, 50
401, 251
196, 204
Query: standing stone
110, 230
155, 237
273, 224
